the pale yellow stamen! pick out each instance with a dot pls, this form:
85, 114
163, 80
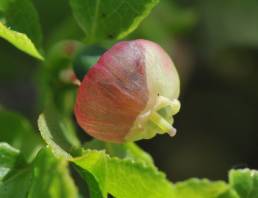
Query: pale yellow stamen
153, 121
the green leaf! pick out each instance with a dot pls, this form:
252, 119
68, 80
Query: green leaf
124, 151
4, 4
202, 188
18, 132
51, 177
58, 133
20, 26
8, 158
47, 177
121, 178
102, 19
23, 17
17, 185
19, 40
245, 182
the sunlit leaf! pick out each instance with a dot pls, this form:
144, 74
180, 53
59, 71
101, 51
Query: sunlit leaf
245, 182
121, 178
19, 40
19, 25
124, 151
202, 188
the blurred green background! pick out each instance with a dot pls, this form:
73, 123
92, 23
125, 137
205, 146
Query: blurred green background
214, 45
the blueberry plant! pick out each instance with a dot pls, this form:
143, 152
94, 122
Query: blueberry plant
116, 91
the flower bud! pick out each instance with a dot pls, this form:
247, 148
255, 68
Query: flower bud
129, 94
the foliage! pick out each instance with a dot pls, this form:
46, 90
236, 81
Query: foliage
46, 176
120, 170
110, 19
38, 165
14, 26
17, 131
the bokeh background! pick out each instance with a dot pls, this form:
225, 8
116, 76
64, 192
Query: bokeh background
214, 45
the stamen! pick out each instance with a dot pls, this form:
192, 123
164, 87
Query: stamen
162, 123
172, 132
157, 120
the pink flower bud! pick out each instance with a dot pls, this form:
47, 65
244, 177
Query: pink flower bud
129, 94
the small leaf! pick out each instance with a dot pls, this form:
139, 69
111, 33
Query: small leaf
245, 182
22, 16
102, 19
47, 177
124, 151
20, 26
8, 157
19, 40
58, 133
121, 178
202, 188
51, 177
17, 131
18, 184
